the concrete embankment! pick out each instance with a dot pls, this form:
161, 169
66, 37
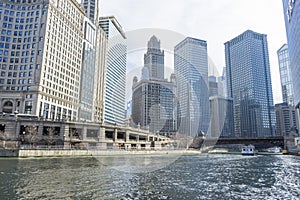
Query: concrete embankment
27, 153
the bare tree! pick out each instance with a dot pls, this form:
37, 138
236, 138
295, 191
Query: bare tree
31, 134
3, 136
51, 135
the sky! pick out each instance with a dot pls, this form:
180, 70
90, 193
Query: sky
215, 21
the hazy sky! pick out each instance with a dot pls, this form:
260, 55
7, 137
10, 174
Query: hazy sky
216, 21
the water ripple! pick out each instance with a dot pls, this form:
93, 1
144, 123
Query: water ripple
190, 177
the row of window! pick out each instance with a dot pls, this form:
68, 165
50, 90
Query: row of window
14, 74
22, 14
20, 20
16, 67
19, 40
21, 27
19, 88
18, 33
17, 60
14, 7
15, 81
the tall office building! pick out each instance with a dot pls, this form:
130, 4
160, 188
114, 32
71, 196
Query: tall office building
221, 110
88, 80
191, 71
249, 84
154, 104
41, 57
291, 15
285, 75
100, 74
286, 120
115, 83
91, 9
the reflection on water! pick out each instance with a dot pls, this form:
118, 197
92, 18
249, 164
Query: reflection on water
189, 177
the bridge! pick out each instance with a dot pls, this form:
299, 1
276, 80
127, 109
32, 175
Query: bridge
80, 134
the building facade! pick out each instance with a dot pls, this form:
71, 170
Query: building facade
91, 8
249, 84
191, 71
221, 117
41, 57
291, 9
88, 80
154, 60
221, 110
285, 75
286, 120
154, 103
115, 72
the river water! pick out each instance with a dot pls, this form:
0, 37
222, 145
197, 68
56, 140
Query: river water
189, 177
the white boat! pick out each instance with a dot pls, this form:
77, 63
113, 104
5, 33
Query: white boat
274, 150
248, 150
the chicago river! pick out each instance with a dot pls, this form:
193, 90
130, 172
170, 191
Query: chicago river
186, 177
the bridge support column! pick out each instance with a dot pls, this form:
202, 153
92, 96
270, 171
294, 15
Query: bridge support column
126, 136
84, 130
101, 139
115, 135
40, 129
101, 134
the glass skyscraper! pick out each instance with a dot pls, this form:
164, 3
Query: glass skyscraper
114, 103
249, 84
191, 71
291, 10
285, 75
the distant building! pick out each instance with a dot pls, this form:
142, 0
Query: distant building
154, 103
154, 59
115, 73
249, 84
91, 9
221, 110
41, 58
285, 75
221, 117
291, 9
191, 71
286, 121
223, 84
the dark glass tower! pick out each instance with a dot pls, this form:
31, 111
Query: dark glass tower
249, 84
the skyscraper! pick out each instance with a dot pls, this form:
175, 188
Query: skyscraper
285, 75
41, 57
291, 10
191, 71
286, 120
88, 80
249, 84
221, 110
100, 75
154, 59
91, 9
154, 103
114, 103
